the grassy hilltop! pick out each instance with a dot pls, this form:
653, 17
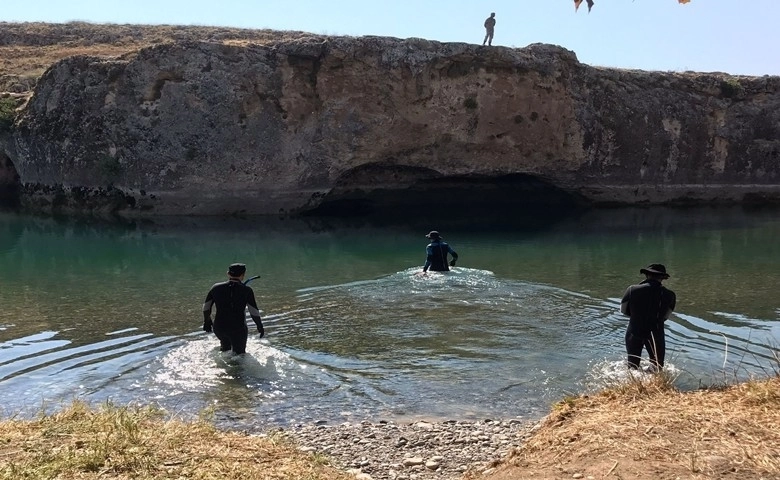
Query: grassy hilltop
28, 49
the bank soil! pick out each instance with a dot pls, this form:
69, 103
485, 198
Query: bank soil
644, 432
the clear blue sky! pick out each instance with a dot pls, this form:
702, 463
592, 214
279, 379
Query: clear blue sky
740, 37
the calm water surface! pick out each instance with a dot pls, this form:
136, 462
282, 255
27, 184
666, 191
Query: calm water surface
103, 311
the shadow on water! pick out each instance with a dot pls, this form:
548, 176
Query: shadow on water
526, 217
380, 195
665, 219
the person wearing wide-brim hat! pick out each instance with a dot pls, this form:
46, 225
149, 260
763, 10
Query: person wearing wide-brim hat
648, 305
436, 254
232, 298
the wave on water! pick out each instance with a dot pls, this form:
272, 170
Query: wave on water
198, 366
40, 370
459, 344
607, 373
701, 352
447, 343
414, 277
264, 385
29, 345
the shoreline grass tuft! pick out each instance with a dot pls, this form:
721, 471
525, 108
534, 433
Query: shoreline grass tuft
645, 428
138, 442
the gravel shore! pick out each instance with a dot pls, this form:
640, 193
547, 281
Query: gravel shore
414, 451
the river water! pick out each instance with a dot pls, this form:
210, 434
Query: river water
112, 311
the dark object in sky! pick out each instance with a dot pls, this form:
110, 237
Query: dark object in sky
578, 2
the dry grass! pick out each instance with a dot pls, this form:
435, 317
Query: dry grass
642, 430
647, 429
138, 443
28, 49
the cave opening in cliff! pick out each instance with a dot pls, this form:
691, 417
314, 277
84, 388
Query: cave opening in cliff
10, 185
398, 193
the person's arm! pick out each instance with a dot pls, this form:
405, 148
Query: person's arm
624, 303
454, 255
672, 304
207, 324
254, 312
428, 256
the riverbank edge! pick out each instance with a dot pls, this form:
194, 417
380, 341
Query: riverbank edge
646, 429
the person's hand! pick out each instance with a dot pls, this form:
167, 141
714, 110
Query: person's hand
207, 326
261, 331
452, 263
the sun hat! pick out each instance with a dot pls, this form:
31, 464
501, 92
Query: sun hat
433, 234
655, 269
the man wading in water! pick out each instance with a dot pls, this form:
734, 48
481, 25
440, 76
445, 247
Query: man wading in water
436, 254
648, 305
232, 298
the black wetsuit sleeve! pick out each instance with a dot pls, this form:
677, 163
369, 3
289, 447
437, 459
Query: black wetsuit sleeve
207, 305
251, 304
428, 257
624, 303
671, 304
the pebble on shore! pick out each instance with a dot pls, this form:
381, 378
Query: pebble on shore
415, 451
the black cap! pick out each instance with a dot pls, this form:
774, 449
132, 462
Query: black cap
655, 269
237, 269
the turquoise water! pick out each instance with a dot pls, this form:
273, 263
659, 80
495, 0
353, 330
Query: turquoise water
107, 311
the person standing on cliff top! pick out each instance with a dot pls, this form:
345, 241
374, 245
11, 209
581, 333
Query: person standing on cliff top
436, 254
490, 24
648, 305
232, 298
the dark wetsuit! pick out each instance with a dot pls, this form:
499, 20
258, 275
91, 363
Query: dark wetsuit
490, 25
436, 259
648, 305
231, 299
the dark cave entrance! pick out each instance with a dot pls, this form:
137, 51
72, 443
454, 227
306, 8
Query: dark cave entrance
393, 193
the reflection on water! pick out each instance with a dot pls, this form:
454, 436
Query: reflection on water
354, 331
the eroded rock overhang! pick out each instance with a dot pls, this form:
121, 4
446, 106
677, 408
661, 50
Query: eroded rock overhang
340, 125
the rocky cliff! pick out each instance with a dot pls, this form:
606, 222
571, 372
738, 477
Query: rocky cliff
361, 125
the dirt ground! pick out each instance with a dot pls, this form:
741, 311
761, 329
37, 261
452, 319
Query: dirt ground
649, 433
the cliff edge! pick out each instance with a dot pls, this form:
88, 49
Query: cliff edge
342, 125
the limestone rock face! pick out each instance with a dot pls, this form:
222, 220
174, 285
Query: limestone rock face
295, 126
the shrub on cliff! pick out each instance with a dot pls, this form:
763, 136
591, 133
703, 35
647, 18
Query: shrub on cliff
7, 114
731, 88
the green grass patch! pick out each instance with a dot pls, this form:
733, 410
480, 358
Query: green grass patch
7, 114
731, 88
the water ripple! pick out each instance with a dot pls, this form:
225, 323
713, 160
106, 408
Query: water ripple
464, 344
